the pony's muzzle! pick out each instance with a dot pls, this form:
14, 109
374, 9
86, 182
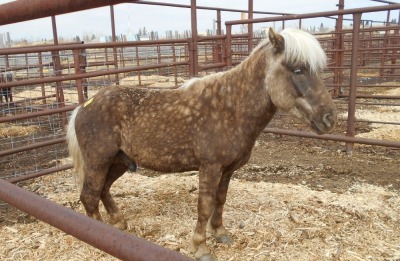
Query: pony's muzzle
324, 122
328, 120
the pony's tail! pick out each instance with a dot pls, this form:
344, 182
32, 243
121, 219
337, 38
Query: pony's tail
75, 151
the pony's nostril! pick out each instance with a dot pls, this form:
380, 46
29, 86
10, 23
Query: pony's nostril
327, 119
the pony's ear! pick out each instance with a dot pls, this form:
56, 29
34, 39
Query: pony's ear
276, 40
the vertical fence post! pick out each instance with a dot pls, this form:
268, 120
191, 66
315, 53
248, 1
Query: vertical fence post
27, 66
250, 27
138, 64
122, 57
228, 45
175, 67
219, 43
83, 65
40, 60
353, 82
58, 71
114, 39
395, 42
78, 82
219, 30
339, 53
194, 70
385, 45
161, 71
106, 62
7, 68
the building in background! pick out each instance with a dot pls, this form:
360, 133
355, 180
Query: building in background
5, 40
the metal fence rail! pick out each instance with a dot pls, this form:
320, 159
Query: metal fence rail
104, 237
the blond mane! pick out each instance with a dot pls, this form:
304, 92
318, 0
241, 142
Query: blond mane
303, 47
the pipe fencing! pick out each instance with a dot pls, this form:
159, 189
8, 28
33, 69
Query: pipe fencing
50, 81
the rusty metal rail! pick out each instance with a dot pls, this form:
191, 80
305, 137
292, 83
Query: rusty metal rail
104, 237
332, 137
34, 9
37, 114
74, 46
38, 174
88, 74
31, 146
317, 14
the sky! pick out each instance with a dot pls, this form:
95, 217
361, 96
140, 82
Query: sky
130, 17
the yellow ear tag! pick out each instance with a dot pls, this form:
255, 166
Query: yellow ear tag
88, 102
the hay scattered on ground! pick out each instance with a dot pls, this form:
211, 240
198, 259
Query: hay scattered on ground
71, 96
391, 91
383, 114
152, 80
11, 130
268, 221
31, 93
389, 114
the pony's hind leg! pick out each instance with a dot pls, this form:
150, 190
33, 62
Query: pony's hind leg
116, 216
91, 191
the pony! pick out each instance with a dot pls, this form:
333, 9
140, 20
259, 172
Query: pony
209, 124
6, 92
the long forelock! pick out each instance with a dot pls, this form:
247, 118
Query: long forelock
302, 47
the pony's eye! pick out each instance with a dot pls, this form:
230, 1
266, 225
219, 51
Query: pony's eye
297, 71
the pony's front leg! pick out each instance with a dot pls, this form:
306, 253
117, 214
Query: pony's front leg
215, 223
209, 178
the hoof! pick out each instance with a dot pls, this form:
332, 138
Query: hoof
117, 220
225, 240
119, 223
207, 257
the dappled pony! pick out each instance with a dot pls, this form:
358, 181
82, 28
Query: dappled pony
208, 124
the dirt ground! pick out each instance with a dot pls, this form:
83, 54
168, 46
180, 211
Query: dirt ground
321, 165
